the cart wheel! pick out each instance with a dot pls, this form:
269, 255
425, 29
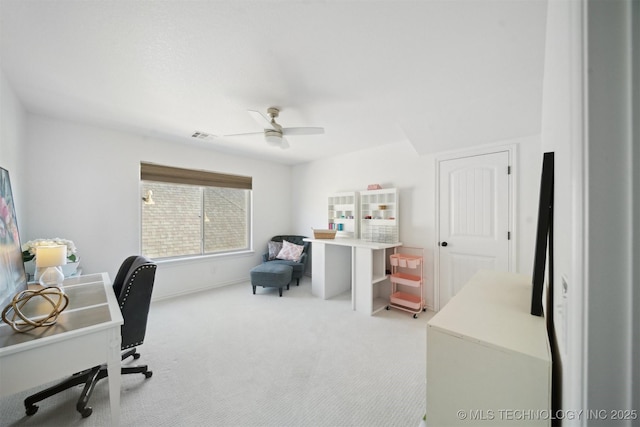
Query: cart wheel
415, 316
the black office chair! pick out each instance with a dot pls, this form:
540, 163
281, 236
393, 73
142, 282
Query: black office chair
133, 286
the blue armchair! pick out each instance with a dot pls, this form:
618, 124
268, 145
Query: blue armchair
300, 266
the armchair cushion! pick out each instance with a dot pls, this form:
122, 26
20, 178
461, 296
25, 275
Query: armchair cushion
274, 249
290, 251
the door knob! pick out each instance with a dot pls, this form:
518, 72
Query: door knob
443, 244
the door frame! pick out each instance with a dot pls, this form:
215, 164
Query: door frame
512, 150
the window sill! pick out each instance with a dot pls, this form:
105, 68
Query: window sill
197, 258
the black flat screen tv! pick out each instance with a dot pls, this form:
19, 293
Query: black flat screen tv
544, 235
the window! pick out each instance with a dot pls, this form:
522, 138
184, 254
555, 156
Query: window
189, 212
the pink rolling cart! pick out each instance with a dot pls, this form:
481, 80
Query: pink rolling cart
407, 272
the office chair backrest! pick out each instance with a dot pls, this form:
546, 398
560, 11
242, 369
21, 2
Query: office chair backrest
122, 274
133, 287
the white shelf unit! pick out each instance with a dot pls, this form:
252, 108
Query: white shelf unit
407, 271
372, 281
379, 215
343, 214
379, 281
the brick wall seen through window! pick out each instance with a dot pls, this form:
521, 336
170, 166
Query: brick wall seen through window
188, 220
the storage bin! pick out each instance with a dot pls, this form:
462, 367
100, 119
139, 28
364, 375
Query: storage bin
323, 233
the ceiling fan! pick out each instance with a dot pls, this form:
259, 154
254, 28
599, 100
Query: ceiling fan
273, 132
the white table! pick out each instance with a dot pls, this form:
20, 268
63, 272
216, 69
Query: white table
338, 263
87, 334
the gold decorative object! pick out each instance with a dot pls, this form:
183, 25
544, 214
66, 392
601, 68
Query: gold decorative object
19, 322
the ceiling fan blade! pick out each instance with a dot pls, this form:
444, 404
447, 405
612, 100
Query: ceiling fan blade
303, 131
261, 119
241, 134
284, 144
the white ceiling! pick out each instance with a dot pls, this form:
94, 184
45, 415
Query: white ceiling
442, 74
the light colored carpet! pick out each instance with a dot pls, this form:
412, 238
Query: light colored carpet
226, 357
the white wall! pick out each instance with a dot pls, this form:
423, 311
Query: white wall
12, 137
587, 121
609, 203
398, 165
562, 133
83, 185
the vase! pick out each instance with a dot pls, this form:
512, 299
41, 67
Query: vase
33, 273
70, 268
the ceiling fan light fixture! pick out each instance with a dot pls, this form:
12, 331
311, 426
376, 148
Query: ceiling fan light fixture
273, 137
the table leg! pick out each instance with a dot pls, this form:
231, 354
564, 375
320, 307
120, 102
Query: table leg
114, 369
353, 278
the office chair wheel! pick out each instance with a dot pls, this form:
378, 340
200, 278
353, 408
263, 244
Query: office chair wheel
31, 410
415, 316
136, 356
86, 412
148, 374
388, 308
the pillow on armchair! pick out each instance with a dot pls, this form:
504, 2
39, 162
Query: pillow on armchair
290, 251
274, 249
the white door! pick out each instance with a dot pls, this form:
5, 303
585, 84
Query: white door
473, 219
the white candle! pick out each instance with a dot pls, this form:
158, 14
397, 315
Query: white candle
51, 256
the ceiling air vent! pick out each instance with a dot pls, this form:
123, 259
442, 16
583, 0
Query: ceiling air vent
202, 135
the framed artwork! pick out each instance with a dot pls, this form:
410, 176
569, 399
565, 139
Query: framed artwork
13, 278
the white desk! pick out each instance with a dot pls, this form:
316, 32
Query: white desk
338, 263
87, 334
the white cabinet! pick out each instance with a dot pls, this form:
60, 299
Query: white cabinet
343, 214
379, 215
487, 356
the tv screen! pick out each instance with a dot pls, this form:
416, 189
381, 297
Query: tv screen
12, 275
544, 235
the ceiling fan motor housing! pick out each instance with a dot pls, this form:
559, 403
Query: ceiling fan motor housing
273, 112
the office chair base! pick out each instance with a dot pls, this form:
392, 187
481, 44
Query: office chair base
89, 378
